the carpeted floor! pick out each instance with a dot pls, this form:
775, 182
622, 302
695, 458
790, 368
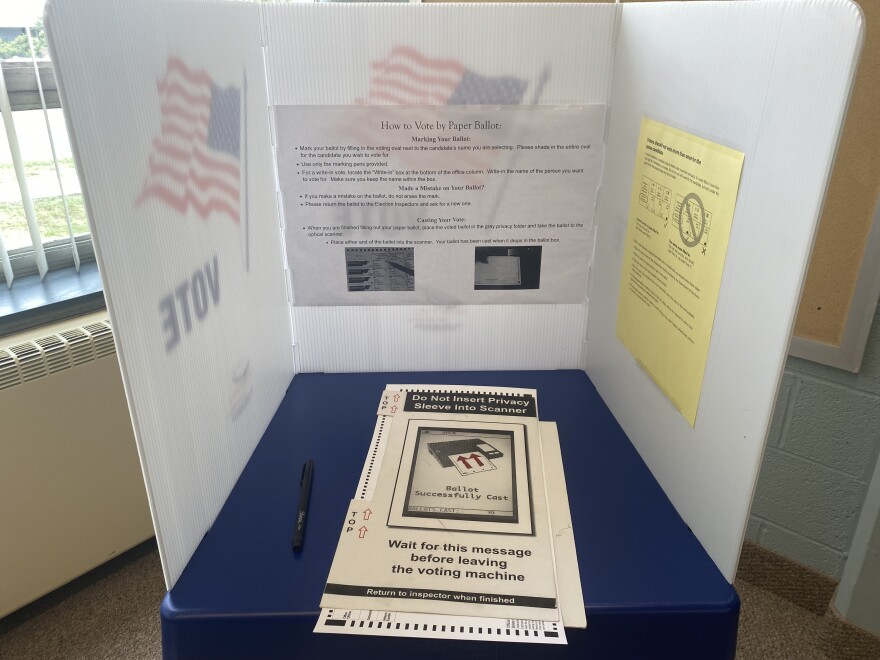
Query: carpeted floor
113, 612
772, 628
110, 613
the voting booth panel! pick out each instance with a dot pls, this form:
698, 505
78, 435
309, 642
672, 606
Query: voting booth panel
771, 80
205, 308
187, 478
566, 60
193, 274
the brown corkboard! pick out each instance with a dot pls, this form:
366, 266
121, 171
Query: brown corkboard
850, 203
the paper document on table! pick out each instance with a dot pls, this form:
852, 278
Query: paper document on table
568, 575
471, 543
439, 626
423, 565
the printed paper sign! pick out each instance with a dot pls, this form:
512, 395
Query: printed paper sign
681, 208
436, 585
457, 521
440, 204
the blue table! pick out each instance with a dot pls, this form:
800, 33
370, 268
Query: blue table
650, 589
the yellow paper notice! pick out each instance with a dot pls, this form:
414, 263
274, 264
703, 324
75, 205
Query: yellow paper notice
681, 208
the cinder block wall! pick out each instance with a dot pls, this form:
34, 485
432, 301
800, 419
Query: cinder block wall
821, 451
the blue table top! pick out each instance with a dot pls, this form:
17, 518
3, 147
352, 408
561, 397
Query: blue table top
636, 555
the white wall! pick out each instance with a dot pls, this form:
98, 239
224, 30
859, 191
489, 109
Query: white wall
858, 597
823, 444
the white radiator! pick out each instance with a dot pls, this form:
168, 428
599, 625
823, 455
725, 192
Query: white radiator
71, 491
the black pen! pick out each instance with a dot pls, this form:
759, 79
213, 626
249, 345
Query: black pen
305, 487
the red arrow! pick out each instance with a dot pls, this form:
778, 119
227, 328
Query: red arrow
367, 514
394, 409
396, 398
476, 457
467, 466
362, 531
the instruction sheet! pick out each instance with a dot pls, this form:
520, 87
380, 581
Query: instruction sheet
439, 204
683, 198
454, 515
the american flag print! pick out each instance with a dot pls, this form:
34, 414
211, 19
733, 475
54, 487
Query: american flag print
407, 77
195, 161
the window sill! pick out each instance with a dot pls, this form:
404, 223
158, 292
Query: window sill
62, 294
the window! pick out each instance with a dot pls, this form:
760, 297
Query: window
43, 223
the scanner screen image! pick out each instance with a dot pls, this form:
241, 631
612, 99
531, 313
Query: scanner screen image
380, 269
507, 267
463, 475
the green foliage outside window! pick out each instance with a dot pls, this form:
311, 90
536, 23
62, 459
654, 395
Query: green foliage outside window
18, 47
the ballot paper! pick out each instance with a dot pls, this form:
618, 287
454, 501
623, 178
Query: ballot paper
451, 534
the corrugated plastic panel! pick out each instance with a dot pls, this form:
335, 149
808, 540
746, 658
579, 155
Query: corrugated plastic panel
770, 79
171, 137
317, 55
